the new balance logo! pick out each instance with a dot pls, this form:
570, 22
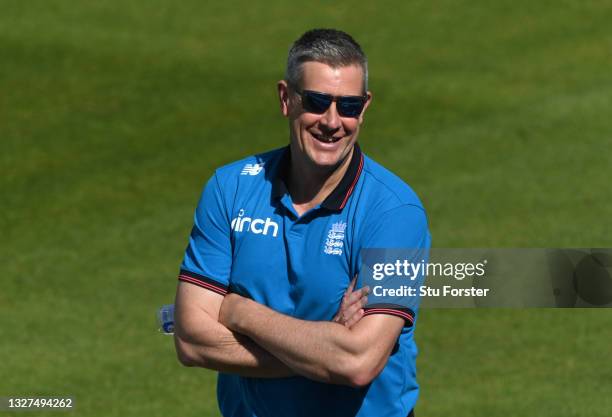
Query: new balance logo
257, 226
252, 169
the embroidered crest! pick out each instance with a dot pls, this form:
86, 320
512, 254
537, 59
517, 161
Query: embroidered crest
335, 239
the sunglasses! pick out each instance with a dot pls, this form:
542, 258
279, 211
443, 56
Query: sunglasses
318, 103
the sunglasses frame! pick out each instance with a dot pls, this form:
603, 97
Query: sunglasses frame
332, 98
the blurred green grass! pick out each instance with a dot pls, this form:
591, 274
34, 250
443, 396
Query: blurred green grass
113, 114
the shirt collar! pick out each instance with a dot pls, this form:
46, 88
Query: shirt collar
339, 196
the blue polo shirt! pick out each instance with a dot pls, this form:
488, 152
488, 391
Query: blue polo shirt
247, 238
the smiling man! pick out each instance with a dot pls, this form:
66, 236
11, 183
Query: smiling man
266, 285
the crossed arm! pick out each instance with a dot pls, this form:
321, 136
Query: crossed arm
236, 335
319, 350
200, 339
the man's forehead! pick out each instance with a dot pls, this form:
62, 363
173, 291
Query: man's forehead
337, 80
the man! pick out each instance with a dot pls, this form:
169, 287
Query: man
275, 245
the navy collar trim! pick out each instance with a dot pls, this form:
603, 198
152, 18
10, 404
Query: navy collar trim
339, 197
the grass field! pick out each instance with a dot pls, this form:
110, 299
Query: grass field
113, 114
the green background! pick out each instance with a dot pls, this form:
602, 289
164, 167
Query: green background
114, 113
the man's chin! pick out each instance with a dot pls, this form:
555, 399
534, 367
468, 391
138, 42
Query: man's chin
329, 160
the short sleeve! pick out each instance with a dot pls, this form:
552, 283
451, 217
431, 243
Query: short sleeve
208, 257
403, 227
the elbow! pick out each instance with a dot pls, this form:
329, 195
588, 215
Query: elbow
185, 353
362, 378
185, 359
357, 371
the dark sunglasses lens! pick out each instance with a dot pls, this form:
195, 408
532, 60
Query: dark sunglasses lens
316, 102
350, 106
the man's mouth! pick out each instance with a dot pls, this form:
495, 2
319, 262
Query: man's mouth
325, 138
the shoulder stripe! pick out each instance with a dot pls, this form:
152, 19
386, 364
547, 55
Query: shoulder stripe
202, 281
404, 313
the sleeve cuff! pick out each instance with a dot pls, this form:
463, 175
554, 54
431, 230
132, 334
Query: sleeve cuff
403, 312
202, 281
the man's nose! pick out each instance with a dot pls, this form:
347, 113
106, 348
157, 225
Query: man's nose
331, 119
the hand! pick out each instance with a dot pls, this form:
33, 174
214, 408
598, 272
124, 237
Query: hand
351, 307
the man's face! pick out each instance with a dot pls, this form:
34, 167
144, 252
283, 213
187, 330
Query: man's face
323, 140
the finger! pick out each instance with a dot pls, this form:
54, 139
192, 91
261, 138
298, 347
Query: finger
363, 301
345, 299
361, 292
355, 296
354, 308
351, 285
351, 311
350, 288
343, 302
354, 318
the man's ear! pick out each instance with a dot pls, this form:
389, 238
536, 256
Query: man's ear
283, 97
367, 104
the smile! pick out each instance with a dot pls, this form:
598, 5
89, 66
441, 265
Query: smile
325, 138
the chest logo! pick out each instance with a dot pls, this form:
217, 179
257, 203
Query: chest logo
247, 224
252, 169
335, 239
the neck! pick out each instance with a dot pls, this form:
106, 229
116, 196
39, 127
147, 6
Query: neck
309, 185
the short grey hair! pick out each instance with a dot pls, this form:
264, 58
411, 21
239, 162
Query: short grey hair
328, 46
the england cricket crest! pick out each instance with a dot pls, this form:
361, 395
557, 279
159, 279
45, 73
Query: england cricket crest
335, 239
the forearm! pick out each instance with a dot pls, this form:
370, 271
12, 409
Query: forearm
215, 347
323, 351
201, 340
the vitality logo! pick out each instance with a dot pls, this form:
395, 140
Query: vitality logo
257, 226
